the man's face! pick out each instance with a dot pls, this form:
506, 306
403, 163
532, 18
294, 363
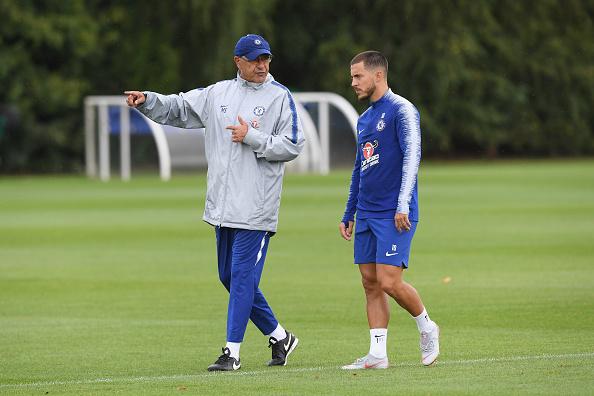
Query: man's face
362, 81
253, 71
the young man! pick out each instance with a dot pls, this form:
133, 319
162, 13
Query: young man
383, 194
245, 172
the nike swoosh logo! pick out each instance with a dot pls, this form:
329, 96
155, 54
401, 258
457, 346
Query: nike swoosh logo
361, 130
236, 365
390, 254
288, 344
371, 365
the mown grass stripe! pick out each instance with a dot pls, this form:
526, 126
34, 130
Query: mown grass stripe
159, 378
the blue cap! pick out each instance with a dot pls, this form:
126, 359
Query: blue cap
252, 46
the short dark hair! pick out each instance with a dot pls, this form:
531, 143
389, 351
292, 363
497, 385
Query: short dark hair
372, 60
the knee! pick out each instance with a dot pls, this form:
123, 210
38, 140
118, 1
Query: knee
391, 286
370, 284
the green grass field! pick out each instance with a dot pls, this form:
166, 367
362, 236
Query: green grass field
112, 287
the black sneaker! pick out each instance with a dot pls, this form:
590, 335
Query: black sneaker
282, 349
225, 362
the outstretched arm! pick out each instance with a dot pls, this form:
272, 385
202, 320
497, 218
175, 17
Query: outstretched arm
185, 110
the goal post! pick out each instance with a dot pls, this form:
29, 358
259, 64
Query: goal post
100, 123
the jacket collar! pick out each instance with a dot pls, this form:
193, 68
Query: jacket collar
253, 85
383, 98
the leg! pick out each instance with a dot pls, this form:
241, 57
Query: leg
229, 360
390, 278
261, 314
393, 253
378, 316
378, 310
390, 281
241, 256
365, 251
225, 237
247, 252
282, 342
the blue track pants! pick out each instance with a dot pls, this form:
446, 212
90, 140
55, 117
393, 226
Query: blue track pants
241, 255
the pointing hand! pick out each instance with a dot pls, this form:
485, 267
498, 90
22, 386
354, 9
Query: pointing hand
238, 132
135, 98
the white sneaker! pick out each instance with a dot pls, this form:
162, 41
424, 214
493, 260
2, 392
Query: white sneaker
368, 362
430, 345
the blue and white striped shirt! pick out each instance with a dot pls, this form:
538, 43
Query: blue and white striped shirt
384, 179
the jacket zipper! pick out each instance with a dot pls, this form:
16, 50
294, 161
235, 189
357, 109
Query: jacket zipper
229, 162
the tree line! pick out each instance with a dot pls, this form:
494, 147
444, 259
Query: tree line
492, 78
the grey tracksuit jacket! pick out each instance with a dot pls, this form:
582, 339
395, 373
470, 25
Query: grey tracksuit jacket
244, 180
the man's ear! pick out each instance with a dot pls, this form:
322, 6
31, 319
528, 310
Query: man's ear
379, 75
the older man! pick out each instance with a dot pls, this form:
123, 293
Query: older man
251, 130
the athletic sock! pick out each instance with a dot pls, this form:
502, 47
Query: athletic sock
234, 349
377, 342
423, 322
279, 333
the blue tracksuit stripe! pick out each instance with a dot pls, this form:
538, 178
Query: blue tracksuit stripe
259, 256
293, 111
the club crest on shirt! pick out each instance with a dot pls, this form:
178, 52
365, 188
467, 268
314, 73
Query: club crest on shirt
259, 110
224, 108
381, 124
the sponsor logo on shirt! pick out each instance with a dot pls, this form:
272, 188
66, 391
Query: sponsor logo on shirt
371, 159
255, 123
224, 108
368, 149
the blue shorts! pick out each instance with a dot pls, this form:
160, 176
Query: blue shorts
378, 241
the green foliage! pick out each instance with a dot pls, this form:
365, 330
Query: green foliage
43, 49
492, 78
